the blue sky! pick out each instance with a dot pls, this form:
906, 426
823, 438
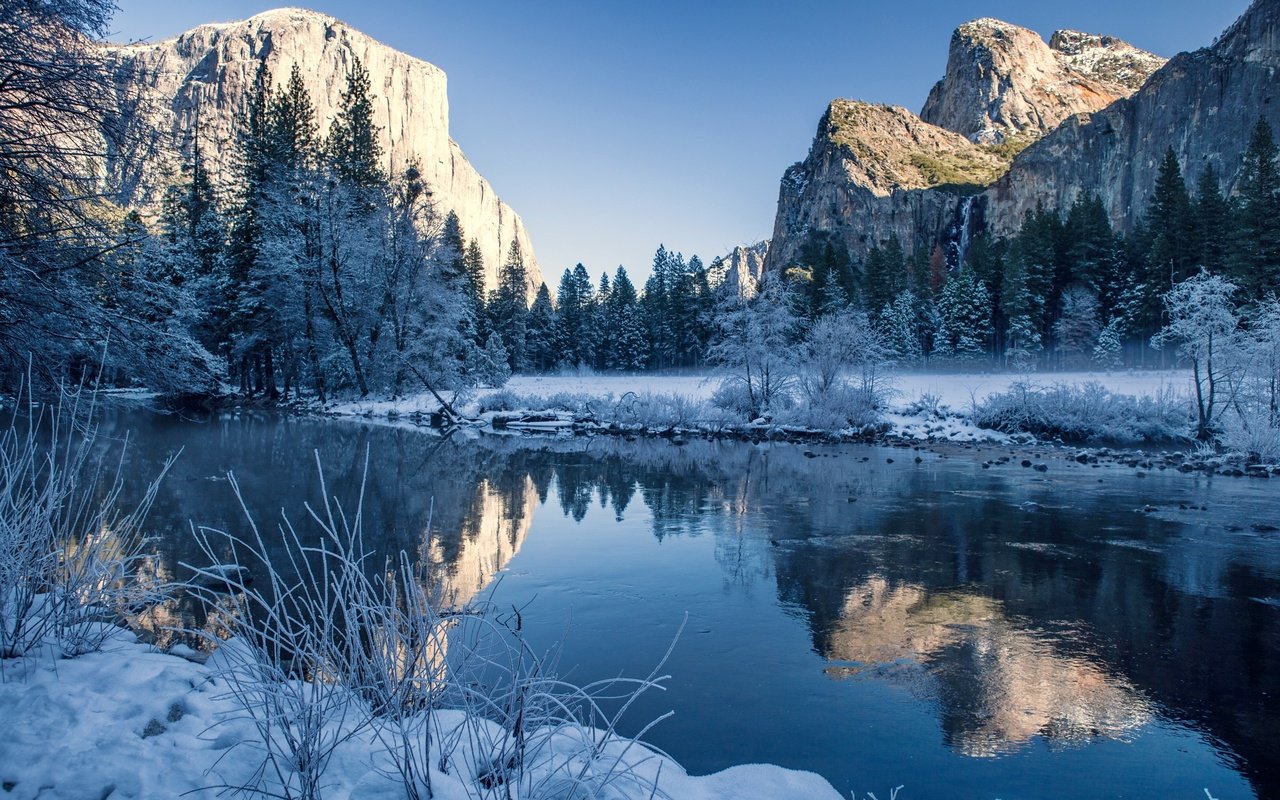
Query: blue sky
613, 126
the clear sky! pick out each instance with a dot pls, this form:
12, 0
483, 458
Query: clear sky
612, 126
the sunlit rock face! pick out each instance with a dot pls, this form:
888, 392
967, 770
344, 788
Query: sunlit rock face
1202, 104
191, 90
874, 172
1003, 81
492, 533
880, 171
998, 684
742, 269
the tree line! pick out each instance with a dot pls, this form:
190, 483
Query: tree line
1066, 290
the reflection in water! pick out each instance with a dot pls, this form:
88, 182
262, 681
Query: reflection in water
1017, 608
999, 684
492, 534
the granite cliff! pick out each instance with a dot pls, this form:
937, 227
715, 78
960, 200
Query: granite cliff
1202, 104
992, 140
206, 74
1005, 84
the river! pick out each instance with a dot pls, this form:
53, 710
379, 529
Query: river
880, 616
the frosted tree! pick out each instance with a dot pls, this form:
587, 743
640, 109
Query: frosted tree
757, 348
1078, 327
1108, 353
843, 344
899, 327
964, 310
1264, 352
60, 240
494, 369
422, 307
1204, 328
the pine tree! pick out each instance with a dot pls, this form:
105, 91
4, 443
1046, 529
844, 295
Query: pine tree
1078, 326
1090, 242
898, 324
1212, 217
496, 369
964, 309
656, 307
884, 274
1256, 262
1170, 230
1024, 311
451, 254
354, 144
244, 295
474, 261
543, 347
1109, 352
627, 341
509, 308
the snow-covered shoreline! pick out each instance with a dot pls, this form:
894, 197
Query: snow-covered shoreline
921, 406
133, 722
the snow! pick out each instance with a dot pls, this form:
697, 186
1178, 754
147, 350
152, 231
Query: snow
131, 722
924, 405
961, 390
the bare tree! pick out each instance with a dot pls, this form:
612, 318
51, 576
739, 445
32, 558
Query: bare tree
757, 346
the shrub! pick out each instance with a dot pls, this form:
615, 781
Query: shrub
329, 643
1084, 413
72, 559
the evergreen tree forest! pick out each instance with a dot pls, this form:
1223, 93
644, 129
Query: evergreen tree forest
317, 272
1067, 290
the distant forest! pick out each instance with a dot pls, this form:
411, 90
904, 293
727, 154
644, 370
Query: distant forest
317, 273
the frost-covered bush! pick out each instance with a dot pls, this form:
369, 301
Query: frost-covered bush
1258, 441
72, 557
841, 406
669, 410
734, 397
331, 645
1085, 413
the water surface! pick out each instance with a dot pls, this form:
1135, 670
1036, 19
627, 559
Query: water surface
882, 621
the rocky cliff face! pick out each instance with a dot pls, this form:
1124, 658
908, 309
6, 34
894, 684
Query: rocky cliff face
207, 74
1004, 83
743, 267
1202, 104
874, 171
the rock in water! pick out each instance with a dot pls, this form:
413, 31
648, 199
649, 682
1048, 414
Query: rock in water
189, 91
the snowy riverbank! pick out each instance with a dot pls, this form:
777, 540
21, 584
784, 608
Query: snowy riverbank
130, 722
920, 406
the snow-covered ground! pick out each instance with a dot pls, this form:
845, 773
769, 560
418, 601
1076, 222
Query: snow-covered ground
960, 390
131, 722
915, 394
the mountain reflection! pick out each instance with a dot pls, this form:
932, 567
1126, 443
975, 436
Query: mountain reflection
998, 684
1016, 620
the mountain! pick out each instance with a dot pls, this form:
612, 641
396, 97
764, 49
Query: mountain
877, 171
874, 171
742, 268
198, 82
1203, 104
1003, 82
